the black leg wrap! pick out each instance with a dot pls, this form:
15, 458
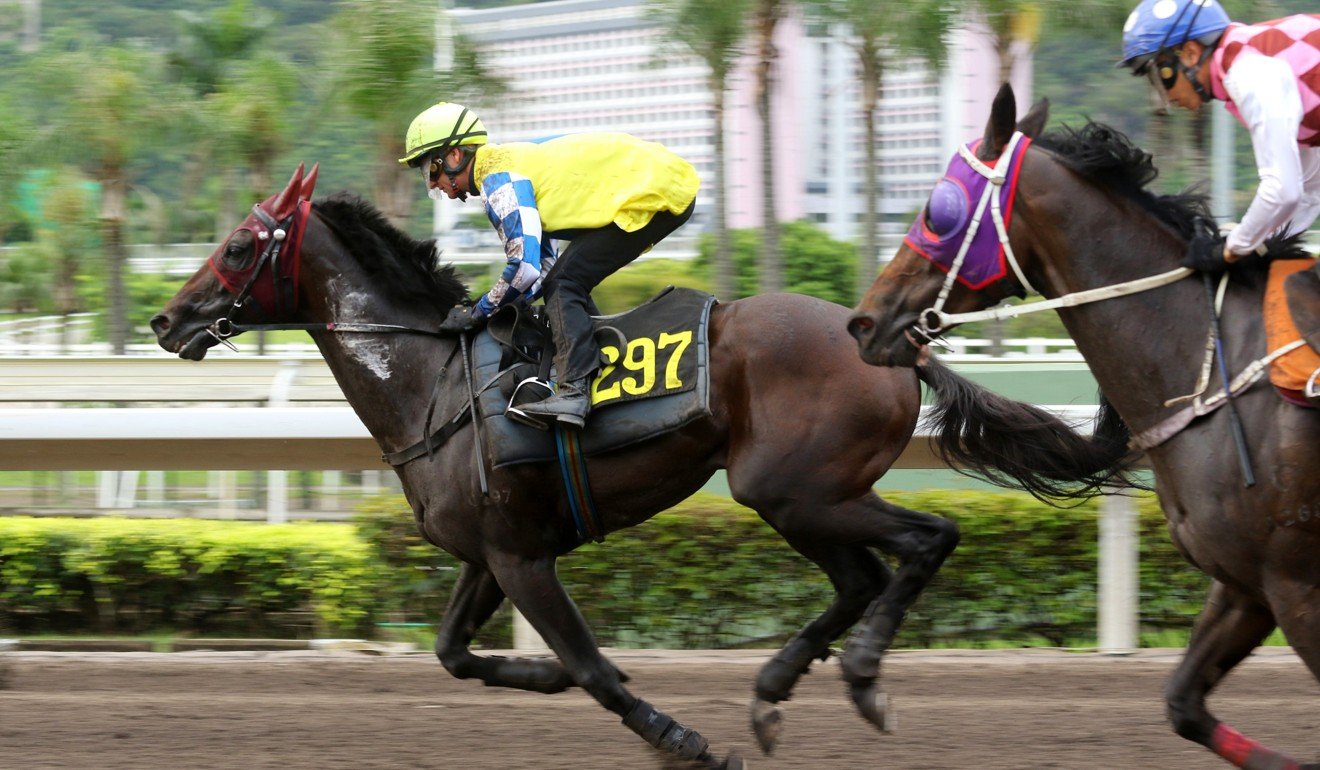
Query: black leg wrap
662, 732
860, 660
778, 676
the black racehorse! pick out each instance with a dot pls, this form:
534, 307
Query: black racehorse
1081, 223
803, 428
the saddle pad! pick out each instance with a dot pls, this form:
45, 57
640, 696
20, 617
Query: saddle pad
1291, 371
658, 381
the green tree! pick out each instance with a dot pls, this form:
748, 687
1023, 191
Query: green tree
713, 30
881, 32
117, 111
251, 108
814, 263
69, 213
246, 91
209, 43
14, 149
385, 73
765, 20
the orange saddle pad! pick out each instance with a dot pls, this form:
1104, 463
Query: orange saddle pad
1290, 371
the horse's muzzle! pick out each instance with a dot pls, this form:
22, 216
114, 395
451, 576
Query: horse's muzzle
881, 346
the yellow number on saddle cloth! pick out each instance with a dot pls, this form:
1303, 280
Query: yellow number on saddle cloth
637, 378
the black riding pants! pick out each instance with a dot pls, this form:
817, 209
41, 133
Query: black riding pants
591, 256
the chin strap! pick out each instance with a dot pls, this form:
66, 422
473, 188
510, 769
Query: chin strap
1192, 74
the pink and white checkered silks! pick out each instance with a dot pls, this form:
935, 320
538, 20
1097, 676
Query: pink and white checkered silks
1294, 39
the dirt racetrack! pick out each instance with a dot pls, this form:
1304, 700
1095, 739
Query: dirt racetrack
1013, 709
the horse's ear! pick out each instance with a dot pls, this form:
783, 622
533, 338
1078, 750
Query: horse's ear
999, 129
1034, 121
309, 182
286, 200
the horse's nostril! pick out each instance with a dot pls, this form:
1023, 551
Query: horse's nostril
160, 324
859, 325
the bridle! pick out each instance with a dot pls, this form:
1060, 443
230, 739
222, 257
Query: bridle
283, 238
933, 321
284, 290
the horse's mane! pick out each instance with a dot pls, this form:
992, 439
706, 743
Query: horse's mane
1107, 156
405, 268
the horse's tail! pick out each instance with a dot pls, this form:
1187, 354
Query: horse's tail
1011, 444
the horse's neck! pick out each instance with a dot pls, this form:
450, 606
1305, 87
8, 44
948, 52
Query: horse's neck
387, 378
1146, 348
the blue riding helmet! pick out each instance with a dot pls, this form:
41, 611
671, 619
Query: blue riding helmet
1157, 25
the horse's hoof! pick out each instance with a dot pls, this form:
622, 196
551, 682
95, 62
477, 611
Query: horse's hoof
875, 708
767, 723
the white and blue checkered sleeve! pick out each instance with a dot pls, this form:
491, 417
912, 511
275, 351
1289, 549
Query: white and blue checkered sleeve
511, 207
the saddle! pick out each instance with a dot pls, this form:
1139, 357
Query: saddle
1292, 300
654, 377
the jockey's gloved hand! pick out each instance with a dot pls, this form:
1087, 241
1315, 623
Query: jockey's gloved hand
460, 319
1205, 253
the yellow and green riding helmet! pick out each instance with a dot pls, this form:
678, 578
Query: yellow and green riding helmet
441, 127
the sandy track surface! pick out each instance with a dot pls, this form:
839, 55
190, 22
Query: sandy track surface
1011, 710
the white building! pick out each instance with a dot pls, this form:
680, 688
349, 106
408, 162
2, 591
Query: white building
581, 65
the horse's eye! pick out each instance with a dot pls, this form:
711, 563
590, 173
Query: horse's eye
238, 251
948, 209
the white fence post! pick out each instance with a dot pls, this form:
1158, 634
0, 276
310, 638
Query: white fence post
277, 482
525, 638
1118, 581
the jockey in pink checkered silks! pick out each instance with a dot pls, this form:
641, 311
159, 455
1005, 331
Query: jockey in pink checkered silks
1268, 76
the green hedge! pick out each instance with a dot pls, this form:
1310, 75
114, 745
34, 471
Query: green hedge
130, 574
708, 573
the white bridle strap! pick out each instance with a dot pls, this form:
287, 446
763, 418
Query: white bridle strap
989, 200
997, 176
1067, 300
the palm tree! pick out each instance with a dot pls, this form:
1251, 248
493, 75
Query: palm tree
68, 216
880, 33
766, 16
386, 74
14, 139
211, 47
211, 42
713, 30
118, 105
252, 110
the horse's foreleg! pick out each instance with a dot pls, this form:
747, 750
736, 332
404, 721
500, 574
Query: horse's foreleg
1229, 628
858, 577
921, 542
476, 597
535, 590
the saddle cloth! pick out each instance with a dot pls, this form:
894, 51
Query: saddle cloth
656, 378
1289, 372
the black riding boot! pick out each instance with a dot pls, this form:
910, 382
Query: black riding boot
577, 357
570, 404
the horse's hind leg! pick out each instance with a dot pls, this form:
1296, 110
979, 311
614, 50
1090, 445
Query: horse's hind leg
858, 577
476, 597
534, 588
1229, 628
920, 541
